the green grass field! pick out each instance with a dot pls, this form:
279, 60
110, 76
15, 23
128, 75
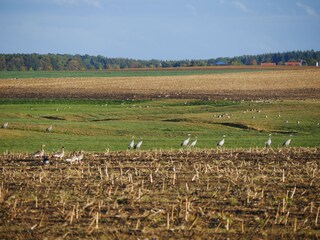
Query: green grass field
97, 125
125, 73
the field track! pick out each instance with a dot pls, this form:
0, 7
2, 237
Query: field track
201, 194
295, 83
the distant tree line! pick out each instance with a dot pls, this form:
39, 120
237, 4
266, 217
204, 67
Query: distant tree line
48, 62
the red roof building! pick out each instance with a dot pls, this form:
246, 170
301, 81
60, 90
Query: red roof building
293, 63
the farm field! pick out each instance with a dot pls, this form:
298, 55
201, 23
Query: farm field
199, 194
161, 191
292, 83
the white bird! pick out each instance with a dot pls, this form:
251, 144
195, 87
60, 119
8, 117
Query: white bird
72, 159
268, 142
131, 144
138, 145
186, 141
80, 156
59, 155
192, 144
48, 129
5, 125
287, 142
39, 153
221, 142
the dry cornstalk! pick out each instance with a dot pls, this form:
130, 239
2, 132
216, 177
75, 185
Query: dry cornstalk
317, 217
187, 211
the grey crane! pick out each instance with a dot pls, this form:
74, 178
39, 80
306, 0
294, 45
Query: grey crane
287, 142
39, 153
49, 129
60, 154
268, 142
221, 142
131, 144
80, 156
138, 145
194, 142
186, 141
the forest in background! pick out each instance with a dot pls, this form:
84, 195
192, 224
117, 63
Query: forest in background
48, 62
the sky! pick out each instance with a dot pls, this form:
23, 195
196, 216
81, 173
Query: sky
159, 29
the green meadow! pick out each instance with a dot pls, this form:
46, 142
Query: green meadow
125, 73
102, 125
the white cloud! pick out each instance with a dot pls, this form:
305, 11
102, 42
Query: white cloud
309, 10
241, 6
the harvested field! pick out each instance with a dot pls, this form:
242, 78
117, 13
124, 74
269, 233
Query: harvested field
276, 84
200, 194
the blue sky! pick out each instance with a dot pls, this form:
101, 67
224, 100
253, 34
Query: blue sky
159, 29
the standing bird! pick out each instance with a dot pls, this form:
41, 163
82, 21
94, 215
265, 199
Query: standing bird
49, 129
192, 144
5, 125
59, 155
186, 141
131, 144
268, 142
73, 158
221, 142
39, 153
80, 156
138, 145
287, 142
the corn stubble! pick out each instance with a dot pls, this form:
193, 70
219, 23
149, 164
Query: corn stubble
197, 194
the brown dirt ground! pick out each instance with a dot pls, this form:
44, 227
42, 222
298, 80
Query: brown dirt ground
301, 83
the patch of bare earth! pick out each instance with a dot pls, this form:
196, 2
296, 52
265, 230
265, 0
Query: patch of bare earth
277, 84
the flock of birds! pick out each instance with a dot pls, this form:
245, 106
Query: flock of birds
187, 143
78, 156
75, 157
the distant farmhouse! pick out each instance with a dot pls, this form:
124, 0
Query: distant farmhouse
293, 63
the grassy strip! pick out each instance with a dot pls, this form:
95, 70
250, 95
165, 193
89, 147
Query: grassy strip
123, 73
97, 125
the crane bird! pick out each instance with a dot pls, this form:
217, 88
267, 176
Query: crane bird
5, 125
39, 153
192, 144
138, 145
186, 141
59, 155
80, 156
75, 157
287, 142
72, 159
49, 129
131, 144
268, 142
221, 142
